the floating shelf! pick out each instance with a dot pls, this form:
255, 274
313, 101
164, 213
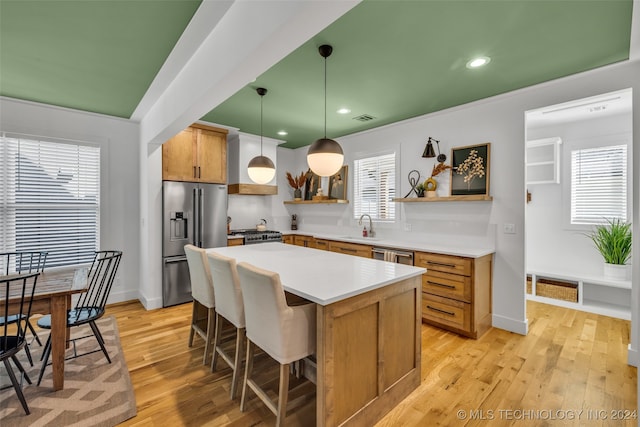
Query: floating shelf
470, 198
311, 202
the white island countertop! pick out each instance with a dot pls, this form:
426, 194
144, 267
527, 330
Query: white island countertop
320, 276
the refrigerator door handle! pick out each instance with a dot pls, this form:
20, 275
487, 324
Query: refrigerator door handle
196, 218
200, 215
174, 259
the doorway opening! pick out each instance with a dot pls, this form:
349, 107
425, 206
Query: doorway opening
578, 174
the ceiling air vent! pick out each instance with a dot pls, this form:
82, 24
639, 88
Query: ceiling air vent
364, 118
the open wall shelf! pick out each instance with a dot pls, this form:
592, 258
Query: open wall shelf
312, 202
471, 198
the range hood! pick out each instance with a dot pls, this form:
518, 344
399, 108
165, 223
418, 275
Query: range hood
241, 148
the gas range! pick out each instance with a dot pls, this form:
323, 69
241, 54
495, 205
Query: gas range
253, 236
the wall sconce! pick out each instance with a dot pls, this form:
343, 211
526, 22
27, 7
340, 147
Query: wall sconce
430, 152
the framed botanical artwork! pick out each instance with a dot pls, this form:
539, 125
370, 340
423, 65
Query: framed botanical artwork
470, 170
338, 184
311, 185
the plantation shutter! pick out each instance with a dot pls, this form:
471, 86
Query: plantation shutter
50, 199
374, 187
599, 184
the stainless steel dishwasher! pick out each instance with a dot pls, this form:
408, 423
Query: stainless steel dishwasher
401, 257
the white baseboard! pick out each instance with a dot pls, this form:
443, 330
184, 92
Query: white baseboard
511, 325
149, 303
633, 357
122, 296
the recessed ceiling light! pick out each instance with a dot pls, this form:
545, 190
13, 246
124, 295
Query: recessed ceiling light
344, 111
478, 62
282, 133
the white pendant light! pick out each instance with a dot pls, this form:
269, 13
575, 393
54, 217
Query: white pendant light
261, 169
325, 156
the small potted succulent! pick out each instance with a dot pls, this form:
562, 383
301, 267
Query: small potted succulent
613, 241
420, 190
296, 182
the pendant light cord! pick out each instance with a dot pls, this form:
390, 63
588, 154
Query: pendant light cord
261, 99
325, 97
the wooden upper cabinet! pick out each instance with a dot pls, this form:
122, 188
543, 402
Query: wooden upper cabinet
197, 154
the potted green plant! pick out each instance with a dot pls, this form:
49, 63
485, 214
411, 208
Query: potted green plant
420, 190
613, 241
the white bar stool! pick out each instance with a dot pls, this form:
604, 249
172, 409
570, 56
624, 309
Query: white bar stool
226, 287
202, 293
286, 333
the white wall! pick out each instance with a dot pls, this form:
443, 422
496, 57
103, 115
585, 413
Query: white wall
118, 139
552, 244
499, 120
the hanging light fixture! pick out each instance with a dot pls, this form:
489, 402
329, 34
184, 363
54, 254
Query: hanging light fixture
261, 169
325, 156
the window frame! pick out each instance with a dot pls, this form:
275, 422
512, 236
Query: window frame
574, 144
371, 155
102, 188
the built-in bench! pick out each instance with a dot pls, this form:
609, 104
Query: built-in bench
596, 294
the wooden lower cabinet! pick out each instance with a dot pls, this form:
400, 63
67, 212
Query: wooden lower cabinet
456, 292
239, 241
351, 249
288, 239
322, 244
306, 241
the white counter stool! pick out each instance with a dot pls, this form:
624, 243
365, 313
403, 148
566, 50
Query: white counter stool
226, 287
286, 333
202, 293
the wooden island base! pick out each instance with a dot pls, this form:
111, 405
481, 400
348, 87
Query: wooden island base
368, 353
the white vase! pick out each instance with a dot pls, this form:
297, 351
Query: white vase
615, 271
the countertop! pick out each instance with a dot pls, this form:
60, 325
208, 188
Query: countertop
317, 275
456, 250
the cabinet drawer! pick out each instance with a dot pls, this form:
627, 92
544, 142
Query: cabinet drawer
444, 263
322, 244
351, 249
446, 312
447, 285
235, 242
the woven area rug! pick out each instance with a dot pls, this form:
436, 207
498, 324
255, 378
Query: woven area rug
95, 393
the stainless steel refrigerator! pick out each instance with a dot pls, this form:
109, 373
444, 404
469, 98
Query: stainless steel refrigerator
191, 213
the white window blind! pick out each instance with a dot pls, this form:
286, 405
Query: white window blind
374, 187
598, 184
50, 199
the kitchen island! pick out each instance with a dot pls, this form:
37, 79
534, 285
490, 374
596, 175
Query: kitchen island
368, 326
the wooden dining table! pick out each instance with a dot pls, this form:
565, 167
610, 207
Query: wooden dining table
53, 296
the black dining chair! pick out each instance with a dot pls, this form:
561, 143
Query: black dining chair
20, 263
90, 305
20, 289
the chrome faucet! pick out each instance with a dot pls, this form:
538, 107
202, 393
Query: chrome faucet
371, 233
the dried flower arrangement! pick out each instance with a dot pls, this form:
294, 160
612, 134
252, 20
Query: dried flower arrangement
296, 182
439, 168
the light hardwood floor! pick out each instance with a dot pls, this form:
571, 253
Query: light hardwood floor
569, 362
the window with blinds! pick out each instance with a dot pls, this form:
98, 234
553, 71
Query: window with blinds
375, 187
50, 199
598, 184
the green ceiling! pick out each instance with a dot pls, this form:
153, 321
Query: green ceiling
392, 59
91, 55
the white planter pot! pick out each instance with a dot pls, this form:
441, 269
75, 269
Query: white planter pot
615, 271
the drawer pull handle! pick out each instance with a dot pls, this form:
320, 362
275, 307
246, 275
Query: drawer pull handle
440, 284
348, 249
441, 311
441, 264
